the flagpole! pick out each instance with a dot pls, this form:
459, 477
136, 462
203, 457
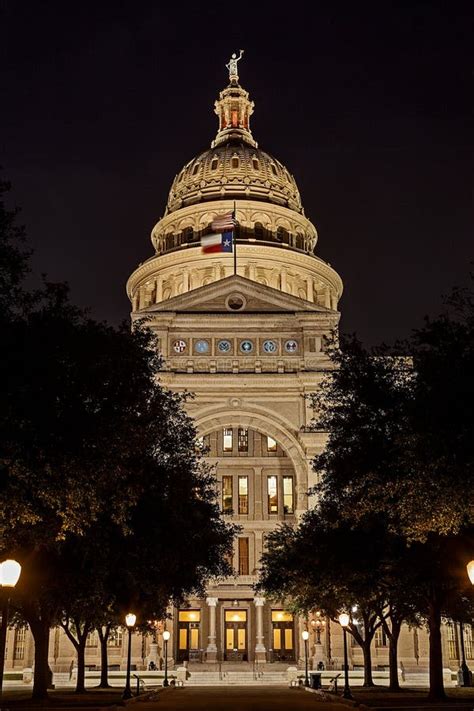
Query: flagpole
235, 244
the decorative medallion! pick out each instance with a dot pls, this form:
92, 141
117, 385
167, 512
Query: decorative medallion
291, 346
201, 346
235, 302
246, 346
224, 346
270, 346
179, 346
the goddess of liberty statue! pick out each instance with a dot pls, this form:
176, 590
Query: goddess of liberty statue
232, 66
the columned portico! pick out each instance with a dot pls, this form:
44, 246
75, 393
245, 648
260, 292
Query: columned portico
211, 650
260, 651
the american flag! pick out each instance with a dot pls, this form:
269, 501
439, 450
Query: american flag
223, 223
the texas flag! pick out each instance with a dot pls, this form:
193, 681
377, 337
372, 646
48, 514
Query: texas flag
218, 242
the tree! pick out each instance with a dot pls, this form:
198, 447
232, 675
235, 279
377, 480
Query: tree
89, 443
393, 449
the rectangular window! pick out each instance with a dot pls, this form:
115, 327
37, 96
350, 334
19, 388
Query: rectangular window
243, 494
227, 494
92, 639
271, 445
115, 638
468, 640
288, 506
243, 439
452, 646
272, 494
19, 644
228, 439
243, 556
380, 638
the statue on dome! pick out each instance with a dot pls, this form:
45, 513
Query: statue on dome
232, 66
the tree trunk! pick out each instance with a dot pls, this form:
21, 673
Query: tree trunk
394, 684
368, 680
42, 675
81, 665
104, 658
436, 691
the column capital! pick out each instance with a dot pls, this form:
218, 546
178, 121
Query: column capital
212, 601
259, 601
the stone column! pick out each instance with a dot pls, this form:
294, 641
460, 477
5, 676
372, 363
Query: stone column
159, 290
211, 651
260, 651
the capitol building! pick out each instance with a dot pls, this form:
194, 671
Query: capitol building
248, 338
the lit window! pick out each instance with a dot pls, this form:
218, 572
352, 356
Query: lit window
380, 638
92, 639
115, 638
243, 439
288, 506
272, 494
271, 445
243, 556
243, 494
19, 643
228, 439
227, 494
467, 629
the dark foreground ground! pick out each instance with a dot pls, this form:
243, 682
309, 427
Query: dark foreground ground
240, 698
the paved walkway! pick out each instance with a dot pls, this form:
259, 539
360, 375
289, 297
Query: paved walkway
236, 698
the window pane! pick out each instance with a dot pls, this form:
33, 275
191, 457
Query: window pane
276, 638
194, 638
272, 494
271, 445
189, 615
227, 439
236, 616
183, 638
288, 639
288, 505
243, 556
243, 439
243, 495
281, 616
227, 493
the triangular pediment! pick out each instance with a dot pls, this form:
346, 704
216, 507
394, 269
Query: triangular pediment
223, 297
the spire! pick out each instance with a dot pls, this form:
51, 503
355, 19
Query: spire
234, 109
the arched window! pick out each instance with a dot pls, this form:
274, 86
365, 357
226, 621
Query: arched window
299, 241
214, 164
188, 233
235, 162
195, 169
282, 235
255, 163
274, 170
258, 230
169, 241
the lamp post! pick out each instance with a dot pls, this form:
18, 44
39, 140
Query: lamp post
305, 635
344, 622
166, 636
10, 571
130, 620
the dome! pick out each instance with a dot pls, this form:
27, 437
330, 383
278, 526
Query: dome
234, 167
234, 170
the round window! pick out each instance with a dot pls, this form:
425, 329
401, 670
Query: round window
246, 346
201, 346
291, 346
224, 346
179, 346
235, 302
270, 346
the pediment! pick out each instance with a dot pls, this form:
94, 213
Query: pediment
223, 297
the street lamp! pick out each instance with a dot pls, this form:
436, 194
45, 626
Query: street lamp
305, 635
344, 622
10, 572
166, 636
130, 620
470, 571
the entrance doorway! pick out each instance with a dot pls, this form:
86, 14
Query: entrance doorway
235, 635
188, 635
283, 636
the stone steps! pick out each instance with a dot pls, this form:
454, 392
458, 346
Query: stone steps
235, 678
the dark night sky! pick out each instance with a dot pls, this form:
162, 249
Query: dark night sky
368, 104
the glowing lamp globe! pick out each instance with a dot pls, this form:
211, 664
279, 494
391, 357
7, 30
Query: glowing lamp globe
130, 619
10, 571
343, 619
166, 635
305, 635
470, 571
